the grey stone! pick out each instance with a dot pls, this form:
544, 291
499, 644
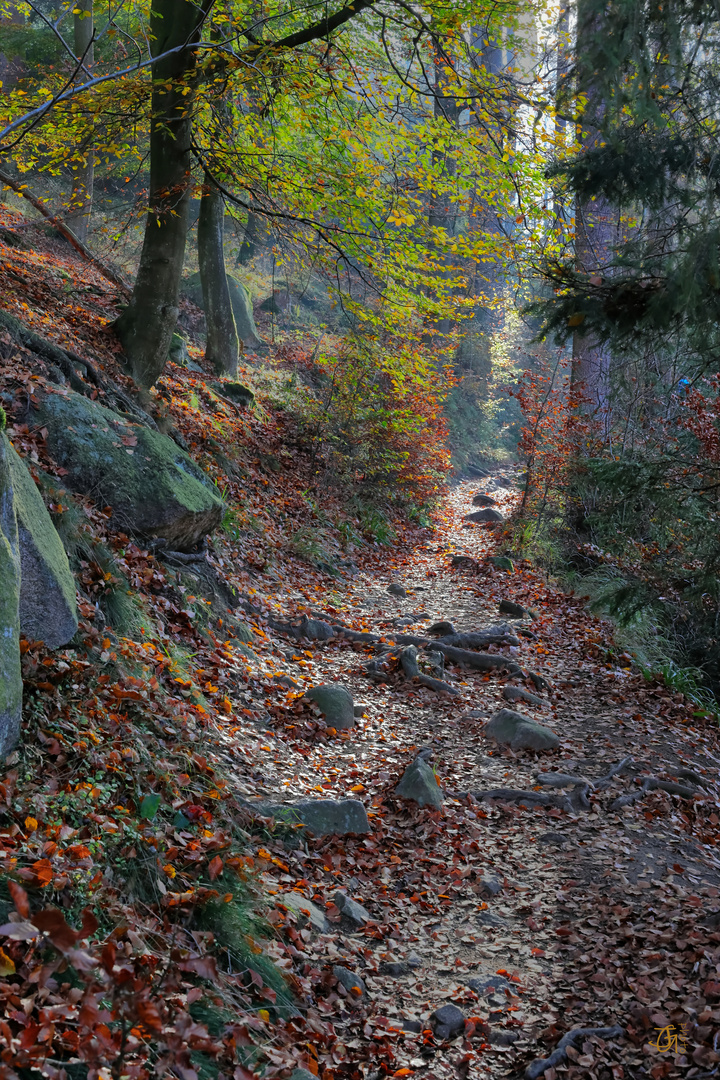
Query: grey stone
314, 629
491, 886
515, 611
489, 918
394, 968
308, 914
397, 590
349, 979
413, 1026
466, 561
302, 1074
48, 611
336, 705
488, 514
354, 915
503, 1038
10, 677
519, 732
481, 986
483, 500
418, 784
502, 562
447, 1022
441, 629
414, 960
321, 817
516, 693
154, 488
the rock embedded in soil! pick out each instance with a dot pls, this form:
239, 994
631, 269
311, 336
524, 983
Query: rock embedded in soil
395, 968
397, 590
484, 500
354, 915
494, 982
519, 732
488, 514
447, 1022
489, 918
154, 488
502, 562
335, 704
307, 912
441, 629
418, 784
490, 886
349, 979
321, 817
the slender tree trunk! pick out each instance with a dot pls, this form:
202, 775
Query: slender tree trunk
147, 325
250, 239
222, 347
83, 171
595, 237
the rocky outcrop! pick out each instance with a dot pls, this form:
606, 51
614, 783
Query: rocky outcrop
154, 488
10, 678
48, 610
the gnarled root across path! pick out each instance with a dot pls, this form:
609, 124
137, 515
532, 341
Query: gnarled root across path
561, 901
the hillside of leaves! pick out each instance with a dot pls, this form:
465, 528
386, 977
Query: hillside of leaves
120, 814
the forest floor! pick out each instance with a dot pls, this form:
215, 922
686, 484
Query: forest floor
598, 915
126, 804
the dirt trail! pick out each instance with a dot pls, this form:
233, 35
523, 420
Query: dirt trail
592, 918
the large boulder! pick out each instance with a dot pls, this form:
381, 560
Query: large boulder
10, 677
240, 301
48, 611
336, 705
510, 728
153, 487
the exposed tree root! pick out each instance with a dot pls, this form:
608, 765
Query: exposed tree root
559, 1054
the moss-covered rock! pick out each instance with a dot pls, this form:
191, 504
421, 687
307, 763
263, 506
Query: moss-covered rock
154, 488
10, 678
48, 610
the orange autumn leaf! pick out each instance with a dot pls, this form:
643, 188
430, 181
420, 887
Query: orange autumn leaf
215, 868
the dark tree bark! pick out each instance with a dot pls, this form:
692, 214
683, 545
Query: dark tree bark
147, 325
222, 347
83, 172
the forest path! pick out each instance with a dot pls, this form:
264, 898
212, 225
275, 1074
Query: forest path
584, 918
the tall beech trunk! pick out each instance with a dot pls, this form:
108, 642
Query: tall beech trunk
83, 171
222, 347
147, 324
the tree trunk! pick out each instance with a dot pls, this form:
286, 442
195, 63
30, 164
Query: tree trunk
147, 325
595, 237
222, 347
83, 171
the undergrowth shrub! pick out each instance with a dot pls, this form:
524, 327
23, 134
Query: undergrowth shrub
374, 425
